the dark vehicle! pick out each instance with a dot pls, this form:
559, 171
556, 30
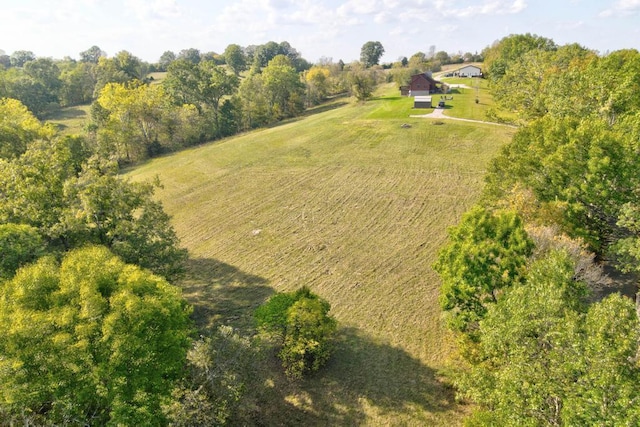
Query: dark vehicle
441, 104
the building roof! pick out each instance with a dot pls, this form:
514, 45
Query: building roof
427, 76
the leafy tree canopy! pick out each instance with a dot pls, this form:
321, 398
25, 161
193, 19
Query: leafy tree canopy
550, 360
370, 53
302, 323
72, 201
487, 253
18, 128
91, 340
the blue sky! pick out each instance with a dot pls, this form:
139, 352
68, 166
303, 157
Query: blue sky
329, 28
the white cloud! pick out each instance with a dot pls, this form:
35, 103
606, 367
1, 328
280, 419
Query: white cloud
628, 5
487, 7
359, 7
622, 8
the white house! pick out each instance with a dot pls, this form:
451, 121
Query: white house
469, 71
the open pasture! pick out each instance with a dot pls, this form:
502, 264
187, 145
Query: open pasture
355, 206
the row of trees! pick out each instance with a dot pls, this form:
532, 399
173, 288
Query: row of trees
203, 97
520, 283
44, 85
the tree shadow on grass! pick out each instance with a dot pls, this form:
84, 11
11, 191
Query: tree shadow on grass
365, 382
221, 293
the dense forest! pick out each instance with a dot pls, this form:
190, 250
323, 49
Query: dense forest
94, 329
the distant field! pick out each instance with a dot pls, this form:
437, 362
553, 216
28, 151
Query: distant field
352, 204
157, 77
71, 120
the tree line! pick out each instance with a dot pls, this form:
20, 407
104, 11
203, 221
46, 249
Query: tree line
204, 96
544, 338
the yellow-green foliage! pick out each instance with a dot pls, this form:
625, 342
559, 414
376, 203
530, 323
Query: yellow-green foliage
92, 340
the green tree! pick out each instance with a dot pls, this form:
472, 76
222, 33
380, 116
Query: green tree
203, 85
317, 79
21, 57
585, 167
370, 53
19, 244
283, 87
528, 345
18, 128
108, 71
165, 60
190, 55
301, 323
135, 114
254, 102
486, 253
549, 359
101, 208
78, 84
73, 202
362, 82
235, 58
46, 72
606, 392
91, 340
220, 368
265, 53
92, 55
499, 57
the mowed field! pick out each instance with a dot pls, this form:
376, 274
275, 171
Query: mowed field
354, 205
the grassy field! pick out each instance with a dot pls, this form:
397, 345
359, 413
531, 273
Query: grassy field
70, 120
463, 104
354, 205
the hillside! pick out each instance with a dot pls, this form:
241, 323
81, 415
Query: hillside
354, 205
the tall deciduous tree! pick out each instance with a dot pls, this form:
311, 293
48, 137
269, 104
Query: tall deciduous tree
362, 82
586, 168
20, 244
235, 58
92, 55
135, 116
506, 51
370, 53
89, 341
284, 88
165, 60
203, 85
72, 203
487, 253
21, 57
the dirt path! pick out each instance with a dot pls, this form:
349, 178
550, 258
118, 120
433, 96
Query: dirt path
438, 113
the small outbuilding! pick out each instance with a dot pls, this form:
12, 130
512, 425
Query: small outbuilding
469, 71
422, 101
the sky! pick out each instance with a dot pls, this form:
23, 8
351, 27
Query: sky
334, 29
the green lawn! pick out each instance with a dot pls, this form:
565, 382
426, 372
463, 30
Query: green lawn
463, 104
352, 204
